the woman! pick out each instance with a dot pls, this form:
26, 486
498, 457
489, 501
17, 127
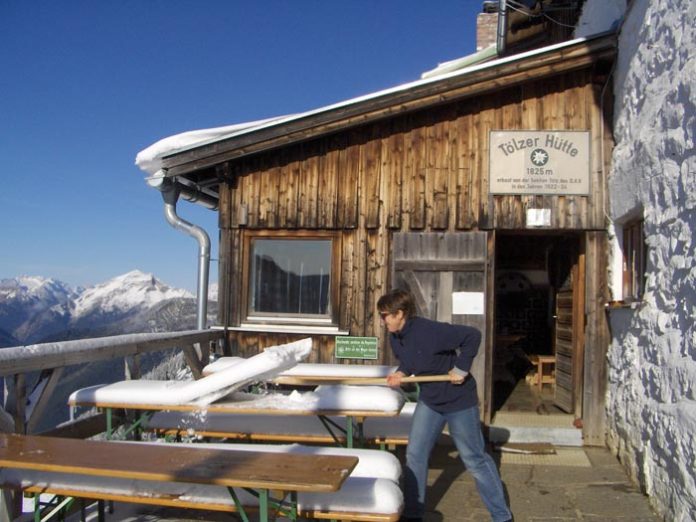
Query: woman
425, 347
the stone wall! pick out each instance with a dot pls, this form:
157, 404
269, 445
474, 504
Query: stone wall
651, 399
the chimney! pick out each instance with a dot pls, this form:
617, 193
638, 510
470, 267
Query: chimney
486, 30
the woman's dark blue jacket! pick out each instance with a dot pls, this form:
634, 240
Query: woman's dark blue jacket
425, 347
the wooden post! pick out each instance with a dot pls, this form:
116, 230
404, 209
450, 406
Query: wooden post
8, 505
48, 382
10, 499
193, 360
6, 422
20, 402
132, 367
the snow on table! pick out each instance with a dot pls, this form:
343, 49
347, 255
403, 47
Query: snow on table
260, 367
325, 398
288, 426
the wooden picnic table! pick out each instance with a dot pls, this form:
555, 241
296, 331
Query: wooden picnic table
288, 473
230, 407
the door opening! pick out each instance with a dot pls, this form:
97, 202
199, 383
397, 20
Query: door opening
535, 359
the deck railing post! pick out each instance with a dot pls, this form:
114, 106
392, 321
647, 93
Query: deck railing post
7, 505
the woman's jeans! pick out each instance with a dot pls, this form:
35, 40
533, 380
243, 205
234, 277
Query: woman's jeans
465, 429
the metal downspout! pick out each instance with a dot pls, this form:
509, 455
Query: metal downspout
170, 195
502, 27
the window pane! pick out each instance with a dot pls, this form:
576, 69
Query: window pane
290, 276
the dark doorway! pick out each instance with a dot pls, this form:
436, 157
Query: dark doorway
530, 271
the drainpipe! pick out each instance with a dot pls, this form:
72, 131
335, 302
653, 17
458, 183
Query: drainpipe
171, 190
502, 27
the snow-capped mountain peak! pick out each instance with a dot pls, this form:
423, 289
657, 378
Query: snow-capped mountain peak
28, 303
129, 291
27, 288
36, 309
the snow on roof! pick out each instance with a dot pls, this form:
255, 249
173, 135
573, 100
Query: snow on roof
149, 159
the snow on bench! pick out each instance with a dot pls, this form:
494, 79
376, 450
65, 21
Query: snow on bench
339, 399
359, 499
370, 493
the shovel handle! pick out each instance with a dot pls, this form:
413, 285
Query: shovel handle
383, 380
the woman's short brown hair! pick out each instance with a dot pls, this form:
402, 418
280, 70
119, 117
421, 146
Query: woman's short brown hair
396, 300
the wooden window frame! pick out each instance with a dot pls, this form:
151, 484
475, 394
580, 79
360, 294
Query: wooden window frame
291, 319
634, 253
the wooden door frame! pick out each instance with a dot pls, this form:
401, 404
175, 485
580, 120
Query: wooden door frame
580, 282
579, 329
489, 334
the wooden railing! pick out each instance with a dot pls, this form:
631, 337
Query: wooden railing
50, 359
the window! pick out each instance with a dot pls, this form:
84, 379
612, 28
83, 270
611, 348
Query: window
291, 277
633, 261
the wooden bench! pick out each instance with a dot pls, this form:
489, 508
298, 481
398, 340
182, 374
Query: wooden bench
310, 486
384, 432
541, 362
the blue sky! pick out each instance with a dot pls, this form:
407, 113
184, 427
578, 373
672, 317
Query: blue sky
85, 85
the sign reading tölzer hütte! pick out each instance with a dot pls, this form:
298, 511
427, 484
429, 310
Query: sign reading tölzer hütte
539, 162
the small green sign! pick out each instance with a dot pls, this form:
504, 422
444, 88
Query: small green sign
356, 347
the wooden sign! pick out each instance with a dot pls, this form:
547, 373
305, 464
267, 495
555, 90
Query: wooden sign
540, 162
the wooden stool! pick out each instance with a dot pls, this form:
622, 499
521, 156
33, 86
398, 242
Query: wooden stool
541, 362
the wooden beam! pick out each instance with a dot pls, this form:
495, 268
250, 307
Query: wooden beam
132, 367
85, 427
444, 265
6, 422
193, 359
48, 383
20, 402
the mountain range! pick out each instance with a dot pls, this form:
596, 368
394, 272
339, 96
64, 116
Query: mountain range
35, 309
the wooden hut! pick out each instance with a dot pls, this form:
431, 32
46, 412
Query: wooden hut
428, 186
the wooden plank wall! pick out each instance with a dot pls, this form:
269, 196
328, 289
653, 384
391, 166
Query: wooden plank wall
425, 171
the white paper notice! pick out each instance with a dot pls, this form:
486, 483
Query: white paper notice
468, 303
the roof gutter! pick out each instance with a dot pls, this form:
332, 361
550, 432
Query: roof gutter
171, 191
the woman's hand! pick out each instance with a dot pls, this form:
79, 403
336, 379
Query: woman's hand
456, 378
394, 379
